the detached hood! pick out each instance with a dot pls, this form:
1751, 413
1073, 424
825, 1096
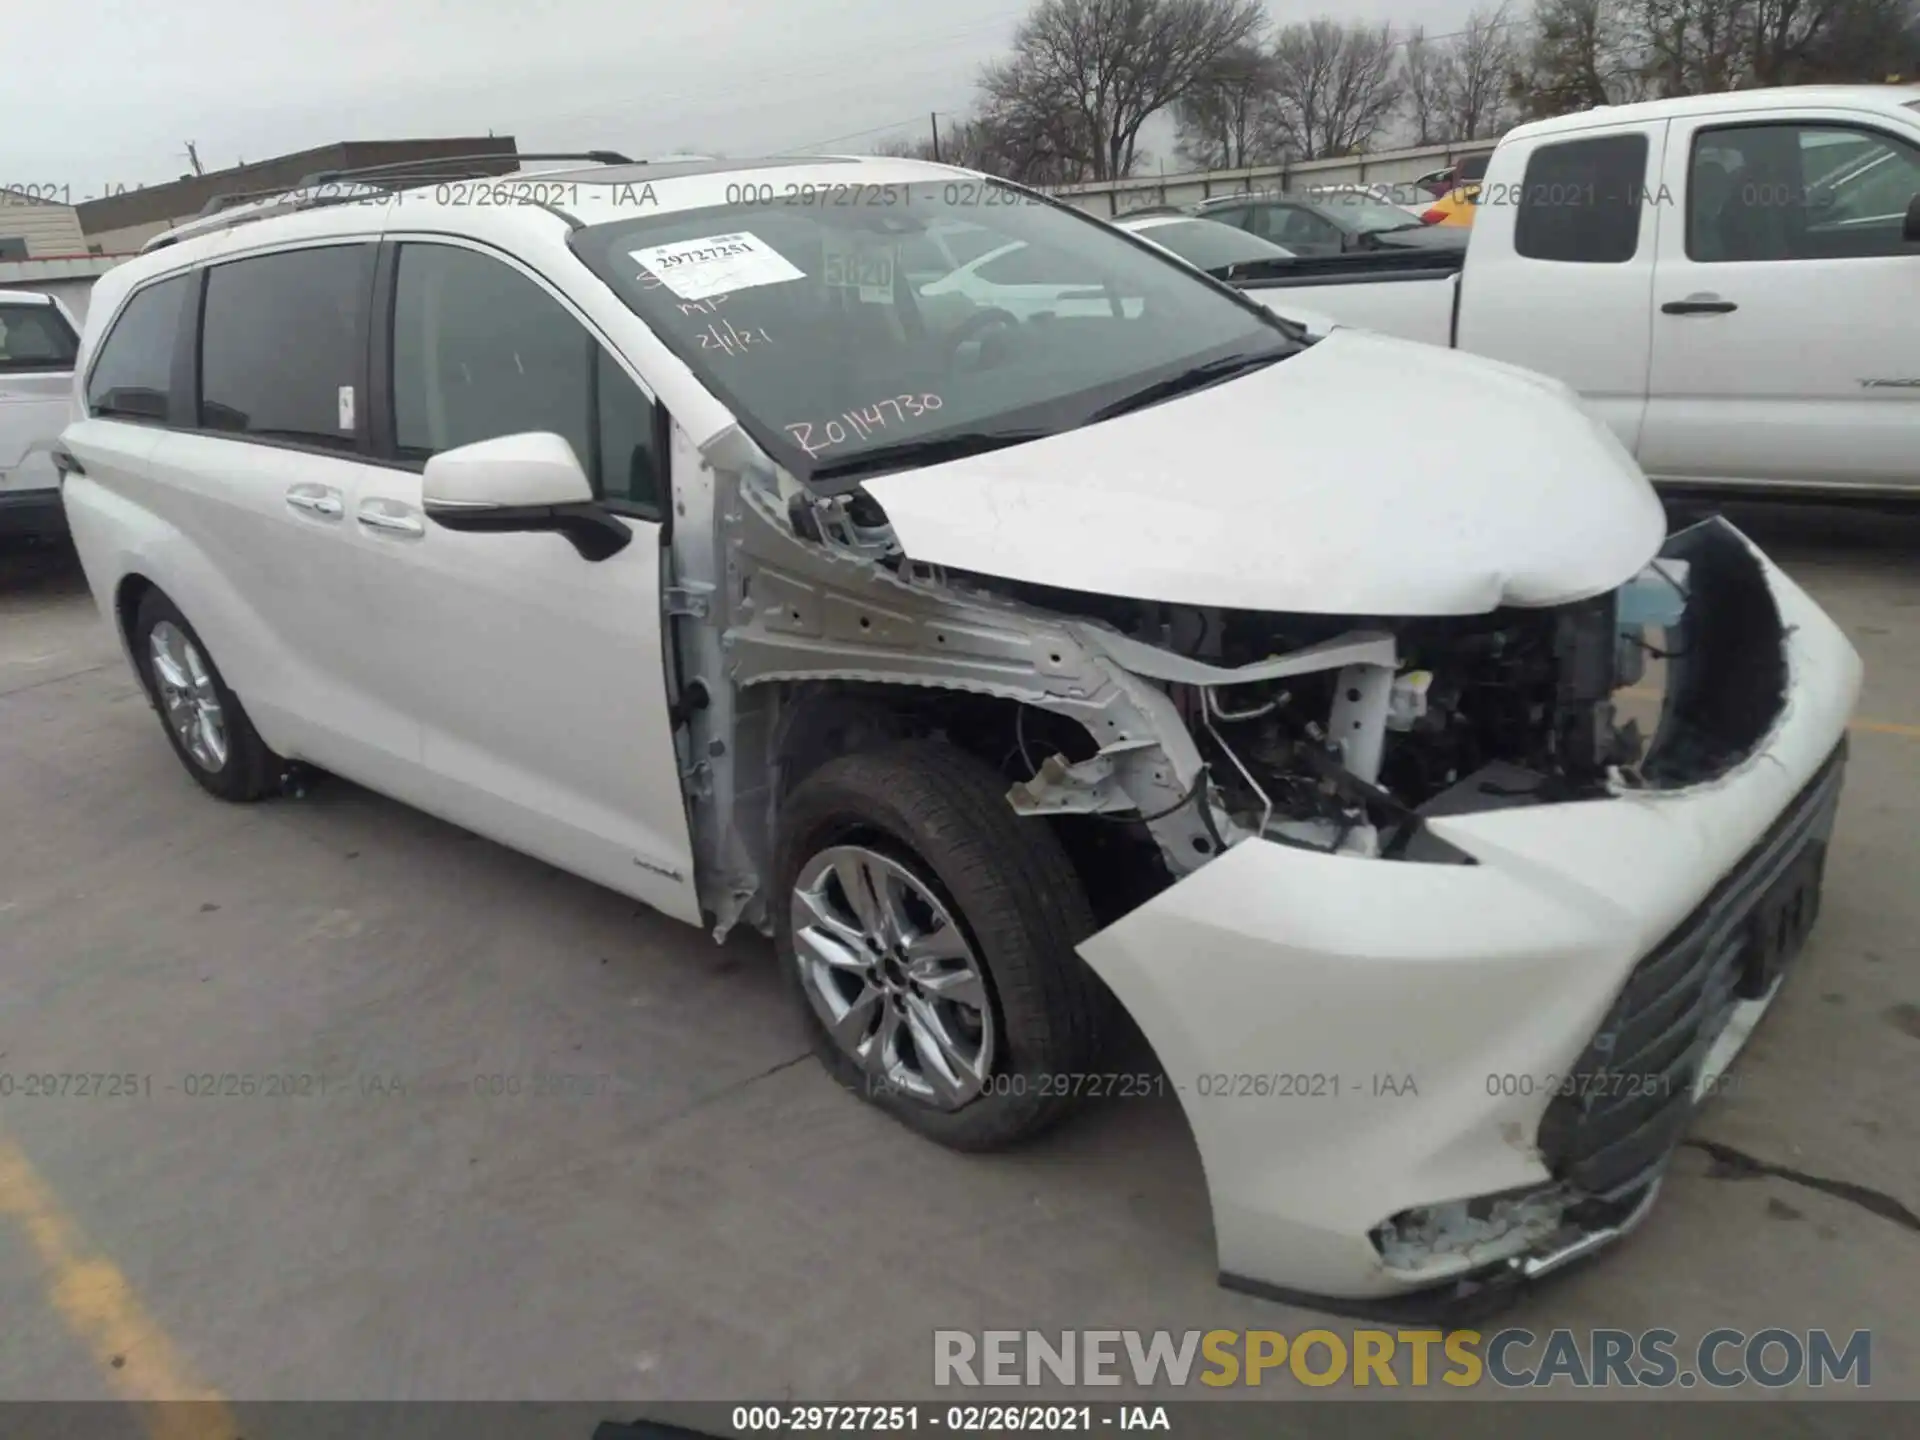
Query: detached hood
1363, 476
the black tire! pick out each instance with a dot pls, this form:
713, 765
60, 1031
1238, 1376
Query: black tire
250, 768
1012, 890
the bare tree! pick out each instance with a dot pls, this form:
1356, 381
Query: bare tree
1692, 47
979, 144
1424, 80
1873, 40
1474, 83
1221, 117
1039, 135
1091, 72
1335, 87
1582, 53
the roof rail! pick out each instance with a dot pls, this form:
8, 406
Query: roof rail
406, 172
405, 169
359, 184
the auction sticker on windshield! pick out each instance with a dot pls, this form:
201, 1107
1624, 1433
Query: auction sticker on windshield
860, 263
716, 264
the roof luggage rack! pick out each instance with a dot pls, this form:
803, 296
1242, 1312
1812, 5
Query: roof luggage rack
358, 184
398, 173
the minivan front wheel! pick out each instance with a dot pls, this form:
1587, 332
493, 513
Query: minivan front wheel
204, 720
929, 935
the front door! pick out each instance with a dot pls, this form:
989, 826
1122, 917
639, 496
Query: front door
1786, 342
539, 677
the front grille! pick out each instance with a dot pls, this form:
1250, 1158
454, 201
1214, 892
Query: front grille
1630, 1095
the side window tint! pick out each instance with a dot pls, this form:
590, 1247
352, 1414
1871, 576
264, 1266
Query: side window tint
34, 337
1798, 192
481, 351
130, 379
1580, 201
282, 339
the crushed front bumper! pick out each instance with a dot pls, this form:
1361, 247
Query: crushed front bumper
1414, 1086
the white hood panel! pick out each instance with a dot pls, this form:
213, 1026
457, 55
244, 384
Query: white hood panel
1364, 476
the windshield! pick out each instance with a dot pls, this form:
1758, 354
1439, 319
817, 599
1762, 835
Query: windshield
1209, 244
35, 337
966, 307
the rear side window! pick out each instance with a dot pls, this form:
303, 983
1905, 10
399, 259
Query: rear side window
1580, 201
282, 342
34, 337
132, 375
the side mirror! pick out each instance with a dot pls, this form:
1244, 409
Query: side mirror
1910, 232
520, 483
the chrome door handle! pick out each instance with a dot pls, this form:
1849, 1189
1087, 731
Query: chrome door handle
386, 516
316, 500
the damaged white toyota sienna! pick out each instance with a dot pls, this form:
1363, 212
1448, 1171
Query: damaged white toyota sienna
1026, 656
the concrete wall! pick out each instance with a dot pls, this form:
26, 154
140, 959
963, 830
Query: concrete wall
1389, 167
47, 229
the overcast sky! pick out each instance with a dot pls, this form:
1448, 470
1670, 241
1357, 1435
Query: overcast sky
107, 92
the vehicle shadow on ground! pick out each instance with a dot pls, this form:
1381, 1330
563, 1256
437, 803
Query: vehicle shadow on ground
40, 571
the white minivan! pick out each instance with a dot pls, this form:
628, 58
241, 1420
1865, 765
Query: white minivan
1010, 671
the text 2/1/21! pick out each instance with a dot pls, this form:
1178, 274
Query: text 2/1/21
861, 423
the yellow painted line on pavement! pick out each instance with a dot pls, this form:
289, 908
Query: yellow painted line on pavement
1874, 727
102, 1312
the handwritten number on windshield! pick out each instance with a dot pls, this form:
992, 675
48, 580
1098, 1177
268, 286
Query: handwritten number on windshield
860, 423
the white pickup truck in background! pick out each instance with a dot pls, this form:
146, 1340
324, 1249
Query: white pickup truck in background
37, 345
1731, 282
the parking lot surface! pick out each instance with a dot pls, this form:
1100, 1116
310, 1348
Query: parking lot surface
503, 1134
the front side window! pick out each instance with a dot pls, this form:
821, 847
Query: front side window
827, 332
1580, 200
282, 343
35, 337
481, 351
1799, 192
132, 377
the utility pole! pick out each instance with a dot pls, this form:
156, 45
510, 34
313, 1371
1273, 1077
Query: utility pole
934, 116
193, 158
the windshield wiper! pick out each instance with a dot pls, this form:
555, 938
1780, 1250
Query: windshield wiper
1195, 378
934, 450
